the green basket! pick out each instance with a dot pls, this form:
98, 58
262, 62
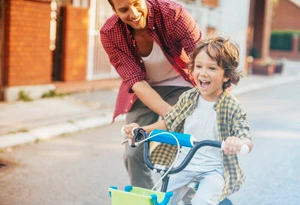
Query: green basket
138, 196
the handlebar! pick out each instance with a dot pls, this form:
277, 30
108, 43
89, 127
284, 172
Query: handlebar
141, 136
173, 138
186, 140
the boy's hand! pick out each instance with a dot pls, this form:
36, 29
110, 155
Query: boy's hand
127, 129
233, 145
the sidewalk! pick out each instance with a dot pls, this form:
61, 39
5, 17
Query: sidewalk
25, 122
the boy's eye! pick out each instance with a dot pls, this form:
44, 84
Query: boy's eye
212, 68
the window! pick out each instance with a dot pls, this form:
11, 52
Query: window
81, 3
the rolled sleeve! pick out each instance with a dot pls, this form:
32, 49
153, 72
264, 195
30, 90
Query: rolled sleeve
241, 128
124, 63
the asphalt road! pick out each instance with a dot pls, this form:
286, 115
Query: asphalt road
78, 168
73, 169
272, 168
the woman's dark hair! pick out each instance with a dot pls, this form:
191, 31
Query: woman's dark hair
222, 51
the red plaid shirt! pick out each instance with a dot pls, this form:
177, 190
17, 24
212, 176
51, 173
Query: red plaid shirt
170, 26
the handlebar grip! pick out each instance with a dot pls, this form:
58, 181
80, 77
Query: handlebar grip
244, 149
139, 136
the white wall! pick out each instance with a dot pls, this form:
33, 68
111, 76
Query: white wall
231, 18
234, 15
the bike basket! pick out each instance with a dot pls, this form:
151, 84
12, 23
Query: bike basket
138, 196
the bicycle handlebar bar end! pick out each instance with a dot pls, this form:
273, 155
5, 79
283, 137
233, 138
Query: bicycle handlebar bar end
244, 149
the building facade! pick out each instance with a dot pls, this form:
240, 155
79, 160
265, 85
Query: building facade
286, 15
41, 43
47, 41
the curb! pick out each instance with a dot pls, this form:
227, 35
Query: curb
51, 131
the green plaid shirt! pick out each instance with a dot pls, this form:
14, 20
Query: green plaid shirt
231, 121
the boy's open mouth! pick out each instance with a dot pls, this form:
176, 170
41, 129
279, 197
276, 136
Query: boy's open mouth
204, 84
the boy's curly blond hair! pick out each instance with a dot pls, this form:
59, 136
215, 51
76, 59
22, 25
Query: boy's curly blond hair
222, 51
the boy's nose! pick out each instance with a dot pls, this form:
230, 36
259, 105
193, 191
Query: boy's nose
203, 73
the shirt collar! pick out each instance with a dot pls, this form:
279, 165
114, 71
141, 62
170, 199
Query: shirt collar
220, 99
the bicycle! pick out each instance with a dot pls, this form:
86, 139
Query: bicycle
139, 196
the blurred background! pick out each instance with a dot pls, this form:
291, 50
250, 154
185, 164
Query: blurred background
51, 45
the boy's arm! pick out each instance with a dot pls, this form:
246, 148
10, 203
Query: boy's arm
240, 134
160, 125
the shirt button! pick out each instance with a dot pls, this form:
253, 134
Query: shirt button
125, 110
130, 101
141, 61
153, 28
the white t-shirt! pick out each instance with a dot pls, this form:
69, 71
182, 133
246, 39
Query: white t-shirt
159, 70
202, 124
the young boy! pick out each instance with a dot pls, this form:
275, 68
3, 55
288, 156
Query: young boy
209, 111
147, 42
